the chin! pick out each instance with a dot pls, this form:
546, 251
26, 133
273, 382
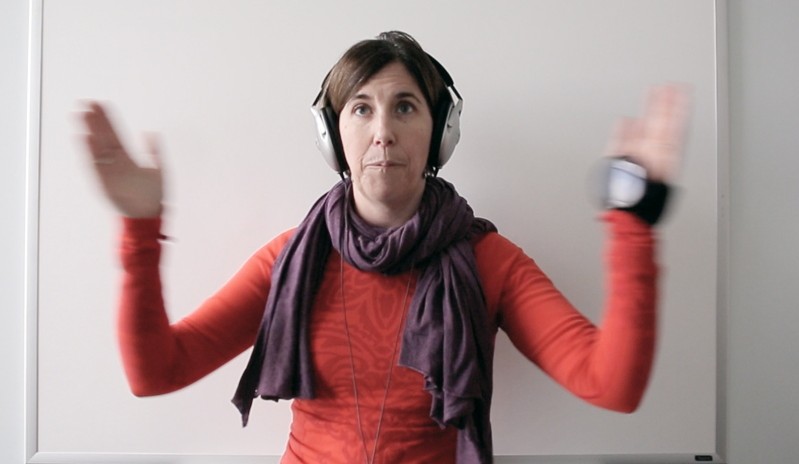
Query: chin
391, 191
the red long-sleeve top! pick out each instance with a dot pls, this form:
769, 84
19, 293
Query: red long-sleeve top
607, 365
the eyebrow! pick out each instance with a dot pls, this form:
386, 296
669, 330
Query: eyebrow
399, 96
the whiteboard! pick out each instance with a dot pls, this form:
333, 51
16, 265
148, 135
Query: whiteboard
227, 84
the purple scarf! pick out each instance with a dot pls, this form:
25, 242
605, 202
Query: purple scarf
447, 335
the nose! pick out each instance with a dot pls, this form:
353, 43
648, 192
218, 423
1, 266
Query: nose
384, 135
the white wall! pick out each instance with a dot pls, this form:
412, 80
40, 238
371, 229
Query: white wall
763, 352
13, 80
763, 376
518, 142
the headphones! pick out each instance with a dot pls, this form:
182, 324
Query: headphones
446, 127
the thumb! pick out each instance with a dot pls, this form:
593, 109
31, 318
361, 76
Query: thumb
152, 143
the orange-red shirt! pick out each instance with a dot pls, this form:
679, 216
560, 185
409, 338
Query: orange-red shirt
607, 365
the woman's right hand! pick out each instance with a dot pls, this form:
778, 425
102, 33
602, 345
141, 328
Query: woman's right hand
135, 191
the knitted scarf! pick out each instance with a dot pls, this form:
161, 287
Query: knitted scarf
446, 336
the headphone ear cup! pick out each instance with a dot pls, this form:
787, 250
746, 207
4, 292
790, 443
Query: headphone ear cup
446, 133
328, 140
331, 119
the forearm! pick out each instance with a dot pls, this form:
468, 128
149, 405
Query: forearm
610, 366
160, 357
146, 341
624, 351
607, 365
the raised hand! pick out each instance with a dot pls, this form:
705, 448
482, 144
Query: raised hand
134, 190
655, 140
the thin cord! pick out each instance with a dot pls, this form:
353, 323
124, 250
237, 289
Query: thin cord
390, 364
404, 314
346, 322
368, 459
352, 361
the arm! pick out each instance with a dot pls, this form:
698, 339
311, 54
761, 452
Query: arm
160, 357
607, 365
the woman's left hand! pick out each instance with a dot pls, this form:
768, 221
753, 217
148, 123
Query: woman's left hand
655, 140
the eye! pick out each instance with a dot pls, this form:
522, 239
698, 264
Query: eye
405, 107
361, 110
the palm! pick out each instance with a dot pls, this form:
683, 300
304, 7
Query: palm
655, 139
135, 191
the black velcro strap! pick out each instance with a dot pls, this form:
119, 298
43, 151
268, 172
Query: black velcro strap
652, 204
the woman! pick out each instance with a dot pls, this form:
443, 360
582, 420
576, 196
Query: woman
378, 314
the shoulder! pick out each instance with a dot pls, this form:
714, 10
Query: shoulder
495, 248
281, 239
499, 261
269, 252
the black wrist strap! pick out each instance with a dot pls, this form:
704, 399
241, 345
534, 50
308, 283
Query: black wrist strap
652, 204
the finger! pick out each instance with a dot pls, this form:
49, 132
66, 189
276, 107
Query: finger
665, 122
100, 126
102, 140
153, 146
664, 119
625, 138
102, 156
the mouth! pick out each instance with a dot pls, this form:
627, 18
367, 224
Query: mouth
382, 164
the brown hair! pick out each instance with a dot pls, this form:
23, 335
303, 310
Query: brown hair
367, 57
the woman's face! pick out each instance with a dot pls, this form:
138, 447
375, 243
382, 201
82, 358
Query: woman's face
385, 132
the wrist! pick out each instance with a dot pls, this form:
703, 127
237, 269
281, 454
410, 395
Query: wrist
624, 185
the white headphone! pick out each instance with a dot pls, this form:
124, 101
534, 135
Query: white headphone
446, 127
